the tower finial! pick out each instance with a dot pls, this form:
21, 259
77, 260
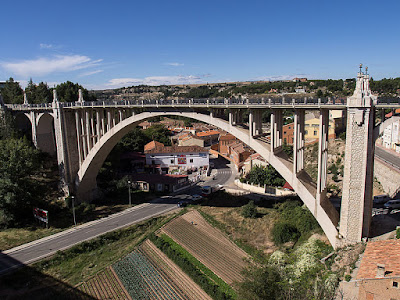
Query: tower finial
366, 70
360, 68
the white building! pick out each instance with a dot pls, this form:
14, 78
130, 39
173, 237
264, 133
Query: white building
391, 138
177, 159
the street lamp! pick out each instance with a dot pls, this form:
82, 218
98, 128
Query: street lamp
73, 209
129, 192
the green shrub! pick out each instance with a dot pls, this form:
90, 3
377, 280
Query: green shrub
249, 210
398, 233
284, 232
347, 277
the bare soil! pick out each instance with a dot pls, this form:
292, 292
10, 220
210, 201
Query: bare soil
254, 232
104, 285
173, 272
209, 245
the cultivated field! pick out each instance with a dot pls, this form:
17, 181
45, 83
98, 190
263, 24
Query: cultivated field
173, 272
210, 246
105, 285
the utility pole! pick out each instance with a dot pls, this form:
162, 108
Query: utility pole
73, 209
129, 192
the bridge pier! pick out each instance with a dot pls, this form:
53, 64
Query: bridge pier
276, 131
298, 145
356, 209
322, 155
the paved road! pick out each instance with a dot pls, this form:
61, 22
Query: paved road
39, 249
388, 157
36, 250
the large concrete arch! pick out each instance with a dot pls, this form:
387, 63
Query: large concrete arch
24, 123
45, 133
86, 177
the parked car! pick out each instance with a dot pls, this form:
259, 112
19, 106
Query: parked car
392, 204
196, 198
381, 199
183, 203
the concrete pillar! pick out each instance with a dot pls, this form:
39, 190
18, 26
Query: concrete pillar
322, 154
109, 122
98, 133
79, 137
251, 123
120, 115
230, 118
298, 145
276, 130
356, 208
103, 123
34, 128
87, 130
92, 128
84, 135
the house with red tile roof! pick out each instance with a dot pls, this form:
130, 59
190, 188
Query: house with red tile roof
210, 137
379, 273
153, 145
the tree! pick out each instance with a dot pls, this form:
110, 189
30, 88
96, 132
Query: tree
38, 93
18, 161
12, 92
134, 141
69, 92
159, 133
249, 210
265, 175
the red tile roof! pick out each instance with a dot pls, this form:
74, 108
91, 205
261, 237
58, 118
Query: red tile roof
227, 137
380, 252
207, 133
153, 145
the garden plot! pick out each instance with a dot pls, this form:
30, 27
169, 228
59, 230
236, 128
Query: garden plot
183, 281
105, 285
144, 280
210, 246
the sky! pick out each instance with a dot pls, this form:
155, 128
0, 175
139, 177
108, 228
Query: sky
112, 44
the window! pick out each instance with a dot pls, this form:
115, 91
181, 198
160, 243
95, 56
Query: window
315, 132
191, 160
395, 284
284, 132
153, 162
306, 132
284, 140
172, 161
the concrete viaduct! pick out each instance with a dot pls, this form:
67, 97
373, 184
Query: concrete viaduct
82, 134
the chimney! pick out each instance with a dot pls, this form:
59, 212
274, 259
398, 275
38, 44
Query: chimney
380, 271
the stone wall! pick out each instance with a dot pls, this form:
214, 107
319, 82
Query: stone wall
388, 176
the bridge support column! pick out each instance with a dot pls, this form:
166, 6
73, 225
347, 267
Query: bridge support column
79, 137
230, 118
356, 208
298, 145
322, 155
251, 123
34, 128
276, 130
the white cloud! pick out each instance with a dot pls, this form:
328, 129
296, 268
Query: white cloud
46, 46
174, 64
90, 73
43, 65
154, 80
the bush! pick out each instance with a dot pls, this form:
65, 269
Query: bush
284, 232
347, 277
249, 210
398, 233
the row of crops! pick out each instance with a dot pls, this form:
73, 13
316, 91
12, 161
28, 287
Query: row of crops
104, 285
200, 274
219, 255
143, 280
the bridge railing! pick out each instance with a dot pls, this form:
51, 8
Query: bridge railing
286, 100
